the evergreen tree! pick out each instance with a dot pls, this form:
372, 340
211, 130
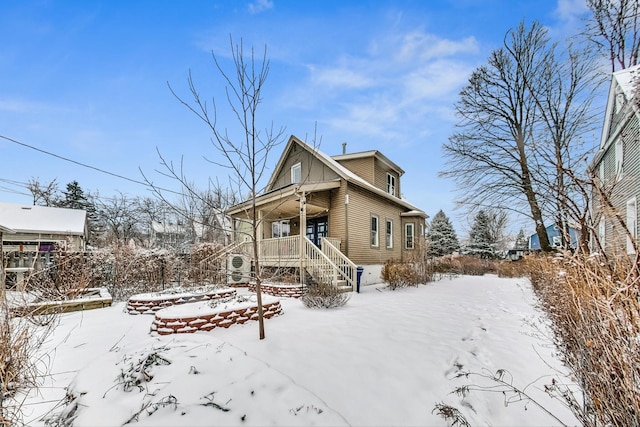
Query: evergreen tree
441, 236
75, 198
521, 241
481, 243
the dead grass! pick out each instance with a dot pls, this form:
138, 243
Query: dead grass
594, 308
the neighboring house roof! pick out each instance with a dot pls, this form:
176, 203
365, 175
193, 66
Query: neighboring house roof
4, 229
370, 153
43, 219
344, 173
623, 84
167, 228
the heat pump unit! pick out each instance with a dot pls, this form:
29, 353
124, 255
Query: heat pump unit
238, 269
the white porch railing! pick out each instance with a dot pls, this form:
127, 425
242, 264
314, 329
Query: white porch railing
327, 265
346, 268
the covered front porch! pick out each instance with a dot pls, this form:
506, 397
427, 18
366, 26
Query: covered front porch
293, 232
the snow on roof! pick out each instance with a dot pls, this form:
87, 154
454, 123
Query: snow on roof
350, 176
42, 219
626, 80
168, 228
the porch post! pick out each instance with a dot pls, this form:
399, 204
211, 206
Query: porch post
303, 231
260, 234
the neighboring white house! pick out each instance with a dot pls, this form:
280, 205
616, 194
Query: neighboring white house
33, 232
38, 228
616, 167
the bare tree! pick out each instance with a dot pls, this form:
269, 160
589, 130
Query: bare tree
119, 217
568, 119
491, 155
614, 27
245, 155
44, 194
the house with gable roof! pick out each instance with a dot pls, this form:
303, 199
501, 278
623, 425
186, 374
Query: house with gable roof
616, 166
330, 214
32, 233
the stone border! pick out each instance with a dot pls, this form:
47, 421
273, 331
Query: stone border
280, 290
206, 322
146, 304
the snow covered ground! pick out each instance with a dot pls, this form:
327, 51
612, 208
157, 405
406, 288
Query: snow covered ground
386, 358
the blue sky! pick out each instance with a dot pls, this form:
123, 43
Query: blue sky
87, 80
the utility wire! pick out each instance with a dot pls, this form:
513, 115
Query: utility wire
87, 166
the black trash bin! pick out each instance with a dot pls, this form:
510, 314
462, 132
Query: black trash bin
358, 276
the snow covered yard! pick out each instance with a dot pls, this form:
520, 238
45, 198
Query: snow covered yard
386, 358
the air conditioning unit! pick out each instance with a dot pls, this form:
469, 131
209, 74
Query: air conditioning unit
238, 269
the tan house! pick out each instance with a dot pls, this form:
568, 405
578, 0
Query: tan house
328, 215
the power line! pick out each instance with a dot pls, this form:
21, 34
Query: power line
66, 159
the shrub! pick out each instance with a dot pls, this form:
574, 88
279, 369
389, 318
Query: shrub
21, 363
594, 308
324, 296
399, 275
469, 265
520, 268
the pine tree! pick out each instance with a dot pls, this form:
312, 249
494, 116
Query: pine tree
521, 241
75, 198
480, 241
441, 236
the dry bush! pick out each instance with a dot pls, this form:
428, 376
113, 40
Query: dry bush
21, 364
324, 295
518, 268
594, 308
399, 275
468, 265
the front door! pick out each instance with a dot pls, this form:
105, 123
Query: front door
317, 228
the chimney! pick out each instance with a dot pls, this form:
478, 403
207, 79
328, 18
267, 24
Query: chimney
344, 148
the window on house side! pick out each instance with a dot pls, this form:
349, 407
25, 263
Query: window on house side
408, 235
632, 224
602, 232
296, 173
389, 234
619, 159
374, 231
391, 184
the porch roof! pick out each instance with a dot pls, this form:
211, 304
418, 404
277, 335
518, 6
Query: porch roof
287, 198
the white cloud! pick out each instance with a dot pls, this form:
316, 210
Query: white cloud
260, 6
401, 89
339, 77
421, 46
570, 10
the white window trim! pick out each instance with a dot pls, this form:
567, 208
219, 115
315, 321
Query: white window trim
389, 233
632, 223
602, 229
375, 233
296, 170
408, 234
619, 148
391, 184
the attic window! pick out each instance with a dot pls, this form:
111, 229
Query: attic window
296, 173
391, 184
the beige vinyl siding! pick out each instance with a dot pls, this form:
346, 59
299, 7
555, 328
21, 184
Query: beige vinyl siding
362, 205
313, 170
381, 172
363, 167
337, 221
